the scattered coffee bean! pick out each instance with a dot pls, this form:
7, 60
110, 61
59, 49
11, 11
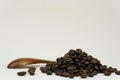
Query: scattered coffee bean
31, 70
22, 73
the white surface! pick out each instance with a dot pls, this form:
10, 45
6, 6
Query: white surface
47, 29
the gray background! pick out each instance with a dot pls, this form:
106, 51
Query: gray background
47, 29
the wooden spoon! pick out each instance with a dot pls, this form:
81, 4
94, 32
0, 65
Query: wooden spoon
23, 62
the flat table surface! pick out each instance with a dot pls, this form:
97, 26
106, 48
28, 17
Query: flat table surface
48, 29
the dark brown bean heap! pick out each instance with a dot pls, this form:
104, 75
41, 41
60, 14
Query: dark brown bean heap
78, 63
22, 73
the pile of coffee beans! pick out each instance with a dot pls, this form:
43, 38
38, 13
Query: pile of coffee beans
31, 71
78, 63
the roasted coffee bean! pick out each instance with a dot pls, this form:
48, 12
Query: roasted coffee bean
65, 74
83, 75
89, 57
94, 72
107, 73
94, 61
31, 72
22, 73
75, 71
78, 50
111, 69
58, 72
71, 67
117, 72
87, 62
91, 74
114, 69
43, 69
58, 59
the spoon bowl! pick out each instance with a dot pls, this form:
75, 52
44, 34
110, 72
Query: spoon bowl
23, 62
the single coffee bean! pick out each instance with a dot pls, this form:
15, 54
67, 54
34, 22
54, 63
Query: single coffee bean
22, 73
43, 69
58, 72
117, 72
107, 73
31, 72
87, 62
90, 74
94, 61
83, 75
65, 74
111, 69
78, 50
71, 67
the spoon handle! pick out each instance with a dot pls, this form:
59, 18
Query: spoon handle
23, 62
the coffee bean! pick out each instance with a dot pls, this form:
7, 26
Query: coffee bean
31, 72
43, 69
71, 67
91, 74
58, 72
107, 73
22, 73
89, 57
94, 61
111, 69
117, 72
78, 51
87, 62
83, 75
65, 74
